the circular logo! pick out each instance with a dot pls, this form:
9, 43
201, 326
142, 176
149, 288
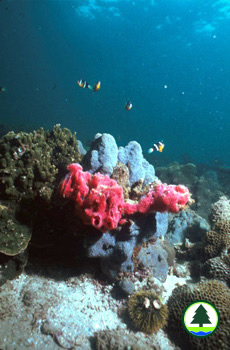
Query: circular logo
201, 318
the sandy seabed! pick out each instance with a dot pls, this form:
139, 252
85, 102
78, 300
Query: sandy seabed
40, 312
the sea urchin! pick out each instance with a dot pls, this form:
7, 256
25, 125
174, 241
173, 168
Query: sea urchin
147, 312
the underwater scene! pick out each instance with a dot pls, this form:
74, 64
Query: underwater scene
114, 174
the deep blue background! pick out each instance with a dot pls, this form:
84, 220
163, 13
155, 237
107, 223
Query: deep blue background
135, 48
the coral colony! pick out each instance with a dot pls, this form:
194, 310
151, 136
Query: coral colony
100, 202
116, 191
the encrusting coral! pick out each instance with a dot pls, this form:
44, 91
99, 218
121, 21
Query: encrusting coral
221, 210
176, 173
215, 292
217, 241
30, 162
121, 176
217, 268
210, 254
31, 166
14, 237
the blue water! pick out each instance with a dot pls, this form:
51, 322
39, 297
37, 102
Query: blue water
169, 57
201, 333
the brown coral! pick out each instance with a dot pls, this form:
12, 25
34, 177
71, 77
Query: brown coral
221, 210
14, 237
215, 243
217, 268
215, 292
218, 239
31, 163
121, 175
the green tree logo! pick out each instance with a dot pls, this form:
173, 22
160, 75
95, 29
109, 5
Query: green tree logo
201, 316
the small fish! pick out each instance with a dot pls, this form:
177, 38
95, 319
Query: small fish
84, 85
97, 86
2, 89
128, 105
159, 146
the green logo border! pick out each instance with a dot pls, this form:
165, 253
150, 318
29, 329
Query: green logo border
200, 301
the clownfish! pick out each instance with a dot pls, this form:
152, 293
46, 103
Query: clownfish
2, 89
159, 146
97, 86
84, 85
128, 105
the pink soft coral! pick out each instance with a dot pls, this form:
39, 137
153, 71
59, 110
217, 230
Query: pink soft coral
100, 202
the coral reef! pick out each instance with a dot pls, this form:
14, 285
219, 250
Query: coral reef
205, 247
215, 292
100, 202
151, 256
126, 207
30, 162
224, 179
205, 189
152, 261
11, 266
129, 208
217, 268
217, 240
121, 176
147, 312
102, 156
115, 248
217, 243
14, 237
131, 155
186, 224
221, 210
98, 199
31, 165
176, 173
